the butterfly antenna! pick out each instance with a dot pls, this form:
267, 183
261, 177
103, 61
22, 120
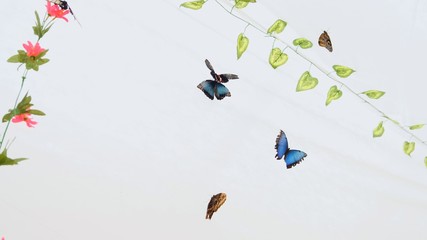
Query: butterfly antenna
74, 16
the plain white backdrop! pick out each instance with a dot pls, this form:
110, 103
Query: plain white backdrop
131, 149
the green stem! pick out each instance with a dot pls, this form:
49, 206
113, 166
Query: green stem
24, 76
263, 31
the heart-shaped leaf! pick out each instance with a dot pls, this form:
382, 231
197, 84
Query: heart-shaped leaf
277, 27
242, 45
277, 58
333, 94
408, 147
379, 130
418, 126
306, 82
195, 5
343, 71
239, 4
374, 94
302, 43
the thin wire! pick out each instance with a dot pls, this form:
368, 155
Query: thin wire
263, 31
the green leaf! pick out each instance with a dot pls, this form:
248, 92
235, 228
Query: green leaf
21, 57
425, 161
37, 18
7, 117
5, 160
374, 94
46, 30
14, 59
277, 58
42, 54
302, 43
37, 31
42, 61
408, 147
36, 112
418, 126
195, 5
242, 45
333, 94
306, 82
239, 4
277, 27
343, 71
379, 130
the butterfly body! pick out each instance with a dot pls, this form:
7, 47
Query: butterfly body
215, 203
325, 41
291, 157
215, 88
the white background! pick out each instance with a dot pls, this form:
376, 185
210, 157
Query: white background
131, 149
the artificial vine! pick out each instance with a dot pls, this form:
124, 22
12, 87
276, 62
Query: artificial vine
32, 57
278, 57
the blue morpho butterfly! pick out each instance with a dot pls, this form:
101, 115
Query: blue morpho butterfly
292, 157
216, 88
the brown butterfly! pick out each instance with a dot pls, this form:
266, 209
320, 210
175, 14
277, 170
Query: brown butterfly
215, 203
325, 41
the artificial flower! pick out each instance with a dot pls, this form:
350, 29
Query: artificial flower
55, 11
24, 117
33, 51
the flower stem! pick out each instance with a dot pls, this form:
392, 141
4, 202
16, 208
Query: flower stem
24, 76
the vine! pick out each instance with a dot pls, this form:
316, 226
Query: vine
279, 57
32, 57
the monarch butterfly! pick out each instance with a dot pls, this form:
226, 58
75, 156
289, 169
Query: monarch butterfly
325, 41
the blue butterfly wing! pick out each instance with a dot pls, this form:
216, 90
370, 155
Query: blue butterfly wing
208, 87
294, 157
281, 145
221, 91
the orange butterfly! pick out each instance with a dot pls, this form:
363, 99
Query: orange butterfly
325, 41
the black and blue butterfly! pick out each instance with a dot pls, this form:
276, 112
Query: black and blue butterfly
215, 88
292, 157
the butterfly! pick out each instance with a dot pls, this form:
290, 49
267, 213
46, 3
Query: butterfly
215, 88
215, 203
64, 6
292, 157
325, 41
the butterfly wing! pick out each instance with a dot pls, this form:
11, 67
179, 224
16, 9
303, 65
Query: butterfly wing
215, 203
208, 87
227, 76
209, 65
325, 41
294, 157
281, 145
221, 91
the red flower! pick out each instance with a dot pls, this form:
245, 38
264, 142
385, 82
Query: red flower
24, 117
33, 51
55, 11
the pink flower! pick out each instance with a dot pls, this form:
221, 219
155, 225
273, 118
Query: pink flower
33, 51
55, 11
24, 117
